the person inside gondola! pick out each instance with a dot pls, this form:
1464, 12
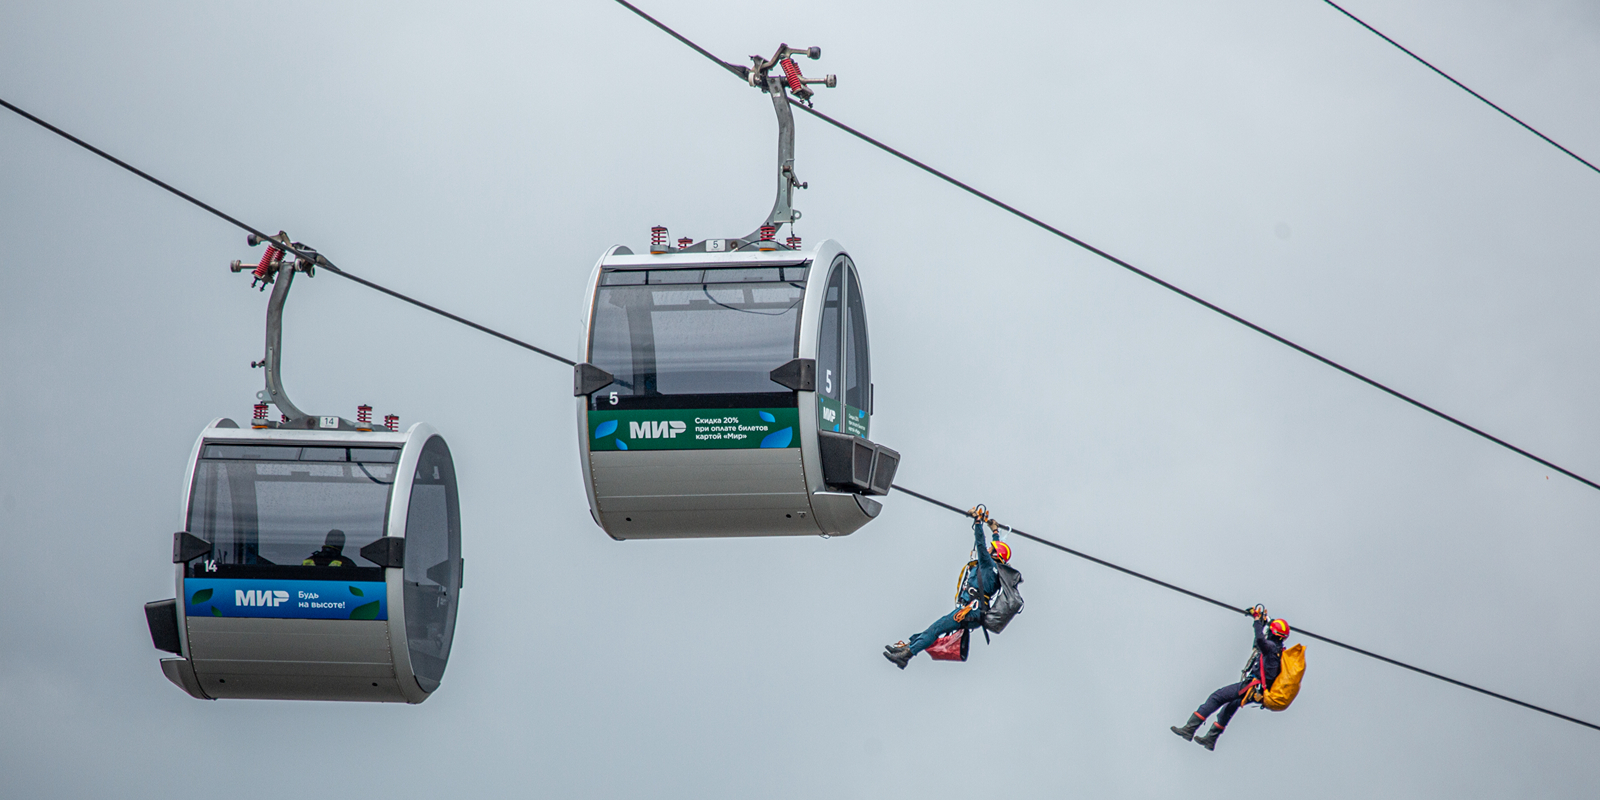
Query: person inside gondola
1259, 673
978, 582
331, 554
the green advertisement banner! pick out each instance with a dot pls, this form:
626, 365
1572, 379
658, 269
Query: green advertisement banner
694, 429
840, 418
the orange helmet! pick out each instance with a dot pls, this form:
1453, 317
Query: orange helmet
1000, 550
1279, 628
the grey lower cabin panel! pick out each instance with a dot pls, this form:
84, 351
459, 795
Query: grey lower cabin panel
662, 494
288, 687
307, 659
694, 524
685, 472
292, 640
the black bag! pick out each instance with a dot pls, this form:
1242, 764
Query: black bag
1007, 600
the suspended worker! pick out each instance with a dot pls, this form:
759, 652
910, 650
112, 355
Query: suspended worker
1266, 661
979, 581
331, 554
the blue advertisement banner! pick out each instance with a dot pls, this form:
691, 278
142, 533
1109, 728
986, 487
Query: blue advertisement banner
234, 597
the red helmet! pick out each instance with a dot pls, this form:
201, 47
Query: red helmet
1000, 550
1279, 628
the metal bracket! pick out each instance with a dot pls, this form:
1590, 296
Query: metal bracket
588, 379
799, 374
272, 272
187, 547
857, 465
388, 551
778, 88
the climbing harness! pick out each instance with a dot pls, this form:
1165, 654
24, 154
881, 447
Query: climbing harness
1284, 688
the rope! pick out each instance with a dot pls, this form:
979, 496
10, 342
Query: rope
311, 257
1007, 207
323, 262
1220, 604
1462, 86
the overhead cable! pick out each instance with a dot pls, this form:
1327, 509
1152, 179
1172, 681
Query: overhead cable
925, 498
1129, 267
1462, 86
1213, 601
234, 221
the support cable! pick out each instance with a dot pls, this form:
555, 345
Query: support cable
1462, 86
313, 258
1135, 270
1041, 540
1213, 601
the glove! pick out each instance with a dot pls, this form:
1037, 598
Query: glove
994, 528
1258, 611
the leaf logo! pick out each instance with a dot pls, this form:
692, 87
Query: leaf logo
621, 445
201, 596
605, 429
357, 592
367, 611
765, 417
778, 438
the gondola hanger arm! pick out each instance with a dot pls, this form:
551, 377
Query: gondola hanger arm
270, 270
779, 87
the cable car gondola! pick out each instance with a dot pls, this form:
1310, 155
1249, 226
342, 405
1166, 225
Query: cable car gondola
726, 388
320, 558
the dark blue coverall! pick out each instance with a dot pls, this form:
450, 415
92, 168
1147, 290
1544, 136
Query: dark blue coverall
1269, 649
979, 584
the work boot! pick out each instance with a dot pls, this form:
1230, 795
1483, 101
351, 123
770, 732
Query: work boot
896, 647
1209, 741
899, 657
1187, 731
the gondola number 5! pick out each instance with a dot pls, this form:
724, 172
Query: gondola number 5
827, 381
613, 398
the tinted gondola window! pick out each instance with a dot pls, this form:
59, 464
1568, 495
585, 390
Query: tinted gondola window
830, 375
289, 512
858, 372
692, 338
433, 563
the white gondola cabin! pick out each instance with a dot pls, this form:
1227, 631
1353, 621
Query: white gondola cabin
320, 558
726, 387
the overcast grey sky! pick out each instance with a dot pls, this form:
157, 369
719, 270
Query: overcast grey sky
1270, 156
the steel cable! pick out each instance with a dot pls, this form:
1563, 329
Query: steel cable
1462, 86
1220, 604
1135, 270
234, 221
925, 498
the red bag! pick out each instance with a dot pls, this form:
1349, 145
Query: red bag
951, 646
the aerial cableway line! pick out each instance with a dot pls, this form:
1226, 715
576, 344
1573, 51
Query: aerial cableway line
739, 71
1220, 604
288, 247
325, 264
1463, 87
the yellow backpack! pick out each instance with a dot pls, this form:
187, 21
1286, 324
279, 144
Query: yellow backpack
1287, 684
